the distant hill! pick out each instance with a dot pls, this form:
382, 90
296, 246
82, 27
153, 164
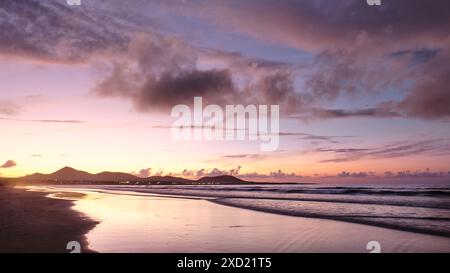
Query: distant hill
68, 174
71, 174
115, 176
222, 179
167, 179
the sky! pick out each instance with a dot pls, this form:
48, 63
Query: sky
363, 90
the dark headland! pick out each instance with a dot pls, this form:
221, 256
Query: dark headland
68, 175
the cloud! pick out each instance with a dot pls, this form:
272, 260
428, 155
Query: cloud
242, 156
278, 175
51, 31
416, 174
43, 120
282, 176
9, 164
316, 138
416, 56
8, 108
145, 172
323, 113
348, 150
356, 174
323, 24
36, 155
157, 73
429, 98
362, 51
432, 147
209, 172
358, 52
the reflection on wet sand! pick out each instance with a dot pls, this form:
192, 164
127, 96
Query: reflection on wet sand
150, 223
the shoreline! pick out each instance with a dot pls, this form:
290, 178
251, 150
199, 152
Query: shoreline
174, 224
59, 219
30, 222
352, 220
223, 202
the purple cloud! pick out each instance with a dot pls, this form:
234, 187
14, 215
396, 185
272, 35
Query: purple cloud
9, 164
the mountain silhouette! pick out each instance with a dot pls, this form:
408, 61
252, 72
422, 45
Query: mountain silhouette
68, 174
228, 179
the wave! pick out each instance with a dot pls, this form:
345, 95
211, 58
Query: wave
288, 193
427, 221
427, 211
395, 191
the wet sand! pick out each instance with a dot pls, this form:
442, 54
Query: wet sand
32, 223
131, 222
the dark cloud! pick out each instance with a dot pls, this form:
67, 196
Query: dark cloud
416, 56
433, 147
422, 82
175, 88
158, 73
343, 72
9, 164
352, 40
164, 75
429, 98
322, 24
54, 32
361, 52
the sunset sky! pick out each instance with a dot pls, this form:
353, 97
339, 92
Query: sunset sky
363, 90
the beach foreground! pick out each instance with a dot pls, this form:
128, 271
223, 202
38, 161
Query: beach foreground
31, 222
140, 222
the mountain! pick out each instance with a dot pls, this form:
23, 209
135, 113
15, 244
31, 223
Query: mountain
167, 179
115, 176
68, 174
71, 174
221, 179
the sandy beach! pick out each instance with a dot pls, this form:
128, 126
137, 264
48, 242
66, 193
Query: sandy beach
45, 219
31, 222
138, 222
